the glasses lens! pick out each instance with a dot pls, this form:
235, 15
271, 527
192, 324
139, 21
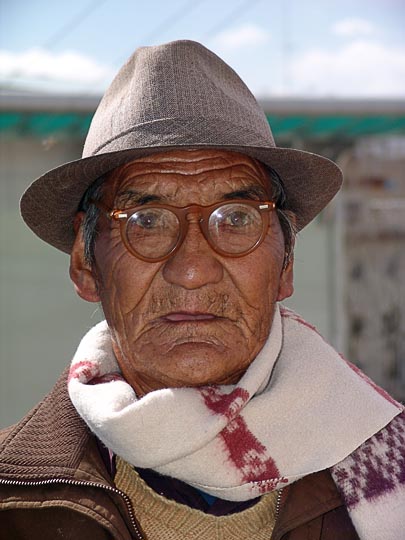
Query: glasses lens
235, 227
152, 232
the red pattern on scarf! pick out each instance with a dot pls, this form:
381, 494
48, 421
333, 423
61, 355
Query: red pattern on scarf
246, 452
84, 370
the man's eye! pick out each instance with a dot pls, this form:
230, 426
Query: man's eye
145, 220
238, 219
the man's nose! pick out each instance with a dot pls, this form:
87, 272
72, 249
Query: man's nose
195, 264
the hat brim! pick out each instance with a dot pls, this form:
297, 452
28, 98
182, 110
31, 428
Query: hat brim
50, 203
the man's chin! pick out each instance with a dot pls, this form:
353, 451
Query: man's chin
196, 364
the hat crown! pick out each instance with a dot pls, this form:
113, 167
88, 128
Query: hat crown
179, 93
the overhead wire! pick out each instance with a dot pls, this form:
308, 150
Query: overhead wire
232, 16
72, 24
185, 10
166, 24
160, 29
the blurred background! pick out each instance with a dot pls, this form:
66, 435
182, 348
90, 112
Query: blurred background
330, 76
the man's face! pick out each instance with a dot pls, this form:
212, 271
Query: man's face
197, 318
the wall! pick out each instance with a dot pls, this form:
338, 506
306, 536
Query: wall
373, 212
41, 318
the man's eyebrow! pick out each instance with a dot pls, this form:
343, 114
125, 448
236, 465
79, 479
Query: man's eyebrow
252, 192
132, 197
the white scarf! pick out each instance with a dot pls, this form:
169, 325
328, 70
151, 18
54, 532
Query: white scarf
299, 408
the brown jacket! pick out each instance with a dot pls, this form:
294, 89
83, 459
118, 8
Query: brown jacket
54, 484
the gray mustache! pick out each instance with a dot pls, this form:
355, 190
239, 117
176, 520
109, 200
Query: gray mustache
216, 303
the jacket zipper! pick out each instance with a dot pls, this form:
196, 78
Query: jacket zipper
128, 503
278, 503
134, 523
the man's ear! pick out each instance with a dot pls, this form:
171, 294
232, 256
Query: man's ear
81, 272
286, 285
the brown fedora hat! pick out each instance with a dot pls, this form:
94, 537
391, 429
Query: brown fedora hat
177, 95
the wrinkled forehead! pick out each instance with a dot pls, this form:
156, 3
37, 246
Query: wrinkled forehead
173, 170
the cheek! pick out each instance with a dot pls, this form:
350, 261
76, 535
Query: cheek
123, 279
259, 274
257, 281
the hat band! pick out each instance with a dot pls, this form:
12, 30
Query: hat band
183, 132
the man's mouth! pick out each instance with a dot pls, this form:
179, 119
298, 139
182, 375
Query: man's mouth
185, 316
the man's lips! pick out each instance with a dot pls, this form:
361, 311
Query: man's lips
185, 316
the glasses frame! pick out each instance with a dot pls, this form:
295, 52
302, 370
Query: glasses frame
182, 213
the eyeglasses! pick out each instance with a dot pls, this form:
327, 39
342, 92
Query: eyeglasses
154, 232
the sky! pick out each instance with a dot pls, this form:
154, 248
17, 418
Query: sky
307, 48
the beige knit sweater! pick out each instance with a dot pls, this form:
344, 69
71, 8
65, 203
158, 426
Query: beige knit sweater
163, 519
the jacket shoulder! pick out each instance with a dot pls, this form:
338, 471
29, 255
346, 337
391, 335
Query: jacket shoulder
5, 432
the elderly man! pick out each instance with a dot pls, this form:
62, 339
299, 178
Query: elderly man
200, 408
